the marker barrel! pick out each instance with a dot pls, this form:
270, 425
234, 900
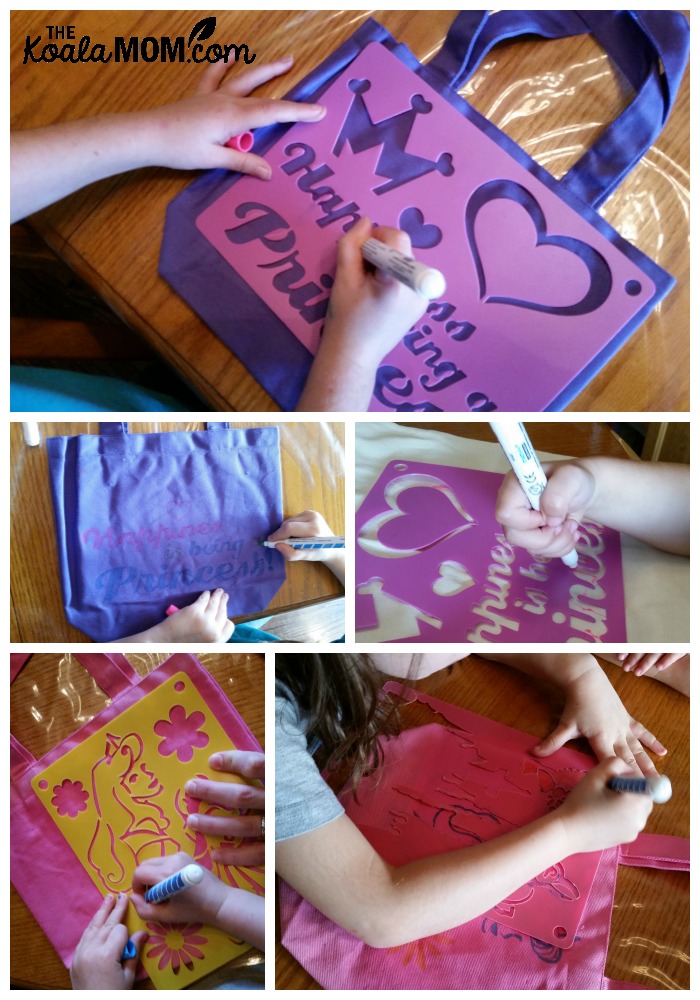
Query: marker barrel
658, 787
427, 281
334, 542
187, 876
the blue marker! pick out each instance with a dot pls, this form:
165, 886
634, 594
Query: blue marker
659, 788
315, 542
187, 876
129, 951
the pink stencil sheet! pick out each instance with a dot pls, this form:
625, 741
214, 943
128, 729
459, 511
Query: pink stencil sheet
534, 290
450, 786
432, 564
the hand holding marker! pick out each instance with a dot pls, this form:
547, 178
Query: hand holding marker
187, 876
518, 449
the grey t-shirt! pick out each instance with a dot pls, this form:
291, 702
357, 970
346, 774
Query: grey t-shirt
303, 800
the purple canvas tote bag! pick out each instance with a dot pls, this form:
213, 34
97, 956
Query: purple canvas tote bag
147, 520
541, 291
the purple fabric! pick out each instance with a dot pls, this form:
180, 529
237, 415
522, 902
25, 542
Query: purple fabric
433, 565
148, 520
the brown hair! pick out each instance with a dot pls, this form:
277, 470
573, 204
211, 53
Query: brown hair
342, 705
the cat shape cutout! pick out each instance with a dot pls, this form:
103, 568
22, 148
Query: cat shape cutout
463, 781
118, 799
406, 157
432, 564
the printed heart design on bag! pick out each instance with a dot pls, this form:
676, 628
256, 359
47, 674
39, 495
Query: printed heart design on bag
423, 234
569, 252
428, 512
453, 579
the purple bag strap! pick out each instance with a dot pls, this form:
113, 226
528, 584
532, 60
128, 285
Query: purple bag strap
113, 673
649, 47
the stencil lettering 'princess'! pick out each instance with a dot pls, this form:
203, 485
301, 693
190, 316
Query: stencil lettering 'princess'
464, 581
405, 157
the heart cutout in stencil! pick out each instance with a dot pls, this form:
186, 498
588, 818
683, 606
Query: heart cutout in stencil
453, 579
422, 511
423, 234
569, 250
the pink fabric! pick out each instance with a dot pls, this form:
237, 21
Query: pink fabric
43, 867
485, 953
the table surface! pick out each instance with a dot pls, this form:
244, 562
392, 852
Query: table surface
650, 937
50, 699
110, 233
312, 478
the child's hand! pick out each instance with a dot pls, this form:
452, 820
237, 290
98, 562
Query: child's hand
551, 531
97, 963
192, 134
640, 663
198, 903
235, 797
594, 710
370, 311
305, 525
595, 817
203, 621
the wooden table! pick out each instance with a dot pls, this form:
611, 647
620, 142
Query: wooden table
312, 478
650, 939
554, 100
49, 700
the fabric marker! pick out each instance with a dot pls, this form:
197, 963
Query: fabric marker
171, 609
312, 542
518, 449
187, 876
658, 787
32, 437
129, 951
423, 279
243, 142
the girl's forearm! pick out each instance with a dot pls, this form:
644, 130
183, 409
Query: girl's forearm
46, 164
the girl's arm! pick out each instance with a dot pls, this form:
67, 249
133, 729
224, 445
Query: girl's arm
648, 500
341, 874
46, 164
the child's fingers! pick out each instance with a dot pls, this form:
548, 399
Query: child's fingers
211, 77
351, 264
202, 601
245, 83
227, 631
257, 112
248, 763
119, 910
221, 607
648, 739
104, 910
556, 739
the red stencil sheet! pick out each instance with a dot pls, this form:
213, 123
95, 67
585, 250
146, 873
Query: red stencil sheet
446, 787
432, 564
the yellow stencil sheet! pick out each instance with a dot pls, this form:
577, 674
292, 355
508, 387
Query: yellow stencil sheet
118, 799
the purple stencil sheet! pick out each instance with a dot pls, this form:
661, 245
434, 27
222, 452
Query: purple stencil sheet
432, 564
462, 783
535, 291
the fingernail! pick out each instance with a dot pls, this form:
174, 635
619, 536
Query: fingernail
216, 760
191, 787
265, 173
319, 110
193, 821
287, 59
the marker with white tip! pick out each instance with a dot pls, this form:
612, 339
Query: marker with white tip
658, 786
518, 449
427, 281
187, 876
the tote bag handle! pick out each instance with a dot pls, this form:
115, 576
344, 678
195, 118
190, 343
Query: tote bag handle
649, 47
112, 672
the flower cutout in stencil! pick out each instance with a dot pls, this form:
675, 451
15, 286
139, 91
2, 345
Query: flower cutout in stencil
175, 945
69, 798
181, 734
